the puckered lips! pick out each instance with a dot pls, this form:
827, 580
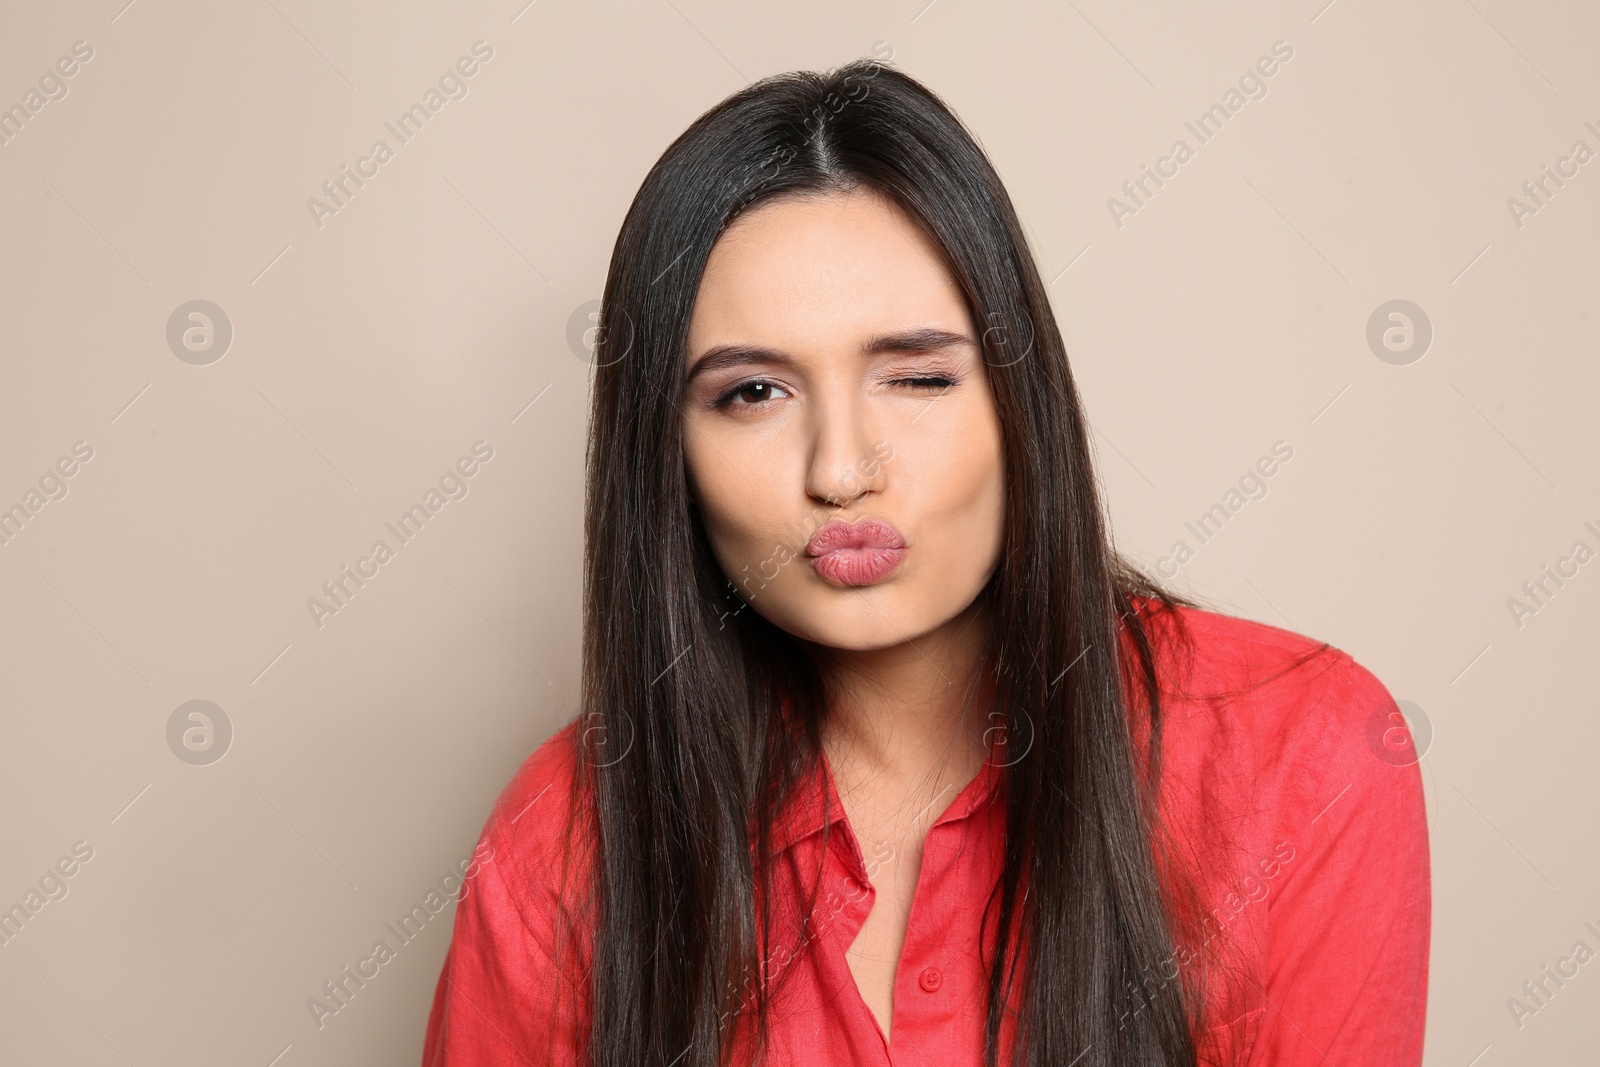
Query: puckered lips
855, 553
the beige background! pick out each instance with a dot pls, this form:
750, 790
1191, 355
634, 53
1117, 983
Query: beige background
433, 309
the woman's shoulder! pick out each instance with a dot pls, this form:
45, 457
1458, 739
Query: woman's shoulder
511, 988
1261, 677
1295, 780
533, 831
1227, 648
534, 809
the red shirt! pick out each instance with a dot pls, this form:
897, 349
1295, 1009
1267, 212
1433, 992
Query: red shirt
1301, 794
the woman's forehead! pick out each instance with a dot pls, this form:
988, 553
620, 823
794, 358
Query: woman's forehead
815, 268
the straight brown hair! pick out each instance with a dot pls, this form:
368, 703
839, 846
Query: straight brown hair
686, 760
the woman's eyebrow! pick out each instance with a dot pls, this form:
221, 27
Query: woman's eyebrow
921, 340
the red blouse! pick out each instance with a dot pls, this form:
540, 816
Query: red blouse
1301, 796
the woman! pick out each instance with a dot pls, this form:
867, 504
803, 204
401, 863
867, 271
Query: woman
884, 755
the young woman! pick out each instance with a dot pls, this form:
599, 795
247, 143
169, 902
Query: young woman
884, 755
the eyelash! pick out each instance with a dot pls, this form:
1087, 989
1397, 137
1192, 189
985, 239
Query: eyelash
922, 381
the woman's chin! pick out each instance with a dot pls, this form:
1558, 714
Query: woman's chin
860, 624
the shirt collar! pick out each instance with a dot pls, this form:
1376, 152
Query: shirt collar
802, 816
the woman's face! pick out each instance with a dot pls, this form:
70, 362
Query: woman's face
834, 374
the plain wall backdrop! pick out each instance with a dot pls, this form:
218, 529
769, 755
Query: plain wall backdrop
187, 485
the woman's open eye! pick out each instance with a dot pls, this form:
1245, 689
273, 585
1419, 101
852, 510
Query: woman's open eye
753, 393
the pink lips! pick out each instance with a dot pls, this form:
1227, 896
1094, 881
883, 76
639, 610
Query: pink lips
858, 553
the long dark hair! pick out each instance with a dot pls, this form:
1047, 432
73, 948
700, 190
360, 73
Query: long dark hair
687, 750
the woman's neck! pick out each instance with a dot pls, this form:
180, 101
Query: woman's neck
912, 714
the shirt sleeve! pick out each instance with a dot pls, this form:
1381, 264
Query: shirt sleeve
501, 998
1350, 917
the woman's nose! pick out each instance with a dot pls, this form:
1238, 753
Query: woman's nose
844, 463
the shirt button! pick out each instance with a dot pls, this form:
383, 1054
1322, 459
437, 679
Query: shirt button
931, 979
